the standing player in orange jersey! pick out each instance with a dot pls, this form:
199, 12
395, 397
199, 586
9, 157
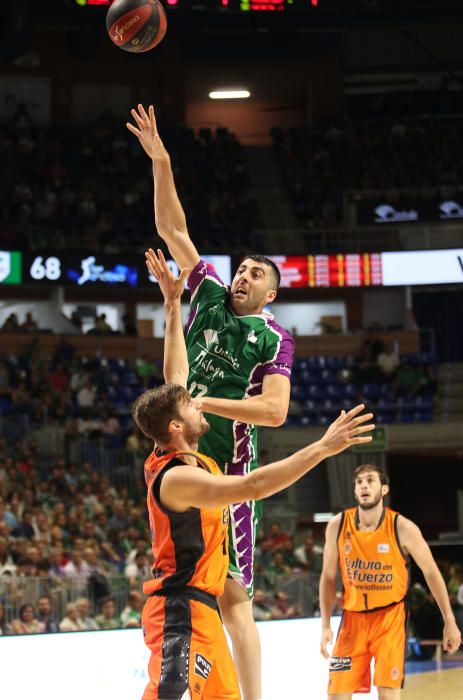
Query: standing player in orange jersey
372, 545
188, 499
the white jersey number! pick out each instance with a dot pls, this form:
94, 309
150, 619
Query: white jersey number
202, 390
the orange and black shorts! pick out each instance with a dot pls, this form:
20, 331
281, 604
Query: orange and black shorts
363, 636
189, 650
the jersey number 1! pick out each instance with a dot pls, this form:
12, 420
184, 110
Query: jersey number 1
365, 600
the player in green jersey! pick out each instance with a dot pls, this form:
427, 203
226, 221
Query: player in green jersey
235, 351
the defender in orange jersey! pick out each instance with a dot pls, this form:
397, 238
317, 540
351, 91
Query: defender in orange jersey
371, 545
188, 500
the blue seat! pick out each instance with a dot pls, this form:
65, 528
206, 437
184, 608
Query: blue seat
333, 391
315, 362
309, 407
334, 363
309, 376
423, 416
314, 392
405, 417
298, 392
300, 364
371, 391
349, 391
384, 418
327, 376
306, 421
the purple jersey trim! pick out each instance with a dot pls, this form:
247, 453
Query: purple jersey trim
202, 271
283, 361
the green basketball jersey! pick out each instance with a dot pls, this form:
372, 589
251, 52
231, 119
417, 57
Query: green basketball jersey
229, 356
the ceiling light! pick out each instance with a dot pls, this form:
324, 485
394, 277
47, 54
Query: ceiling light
229, 94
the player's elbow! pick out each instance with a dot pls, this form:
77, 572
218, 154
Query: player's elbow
176, 378
277, 415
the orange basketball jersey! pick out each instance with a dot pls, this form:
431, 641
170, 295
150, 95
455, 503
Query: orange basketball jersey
374, 568
190, 548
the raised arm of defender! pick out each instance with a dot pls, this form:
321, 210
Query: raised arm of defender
175, 355
190, 487
169, 215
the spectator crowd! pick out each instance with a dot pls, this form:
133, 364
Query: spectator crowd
92, 188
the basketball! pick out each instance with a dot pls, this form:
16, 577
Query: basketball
136, 25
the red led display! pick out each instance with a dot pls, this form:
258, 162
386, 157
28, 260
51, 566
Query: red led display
351, 270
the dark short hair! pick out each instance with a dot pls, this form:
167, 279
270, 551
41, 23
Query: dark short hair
383, 477
266, 261
155, 408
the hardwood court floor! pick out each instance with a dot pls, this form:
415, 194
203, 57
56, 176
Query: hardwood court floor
434, 685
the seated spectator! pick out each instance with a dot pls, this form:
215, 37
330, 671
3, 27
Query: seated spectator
129, 325
27, 622
411, 381
11, 325
289, 557
77, 572
277, 536
138, 570
260, 606
107, 619
44, 615
310, 555
101, 327
282, 609
25, 528
276, 571
59, 378
131, 615
29, 325
388, 362
7, 565
118, 520
83, 614
70, 621
109, 424
86, 395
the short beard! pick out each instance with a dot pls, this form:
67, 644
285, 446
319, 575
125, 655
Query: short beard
369, 506
192, 436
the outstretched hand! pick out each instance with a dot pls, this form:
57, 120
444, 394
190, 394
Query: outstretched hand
347, 430
171, 287
147, 133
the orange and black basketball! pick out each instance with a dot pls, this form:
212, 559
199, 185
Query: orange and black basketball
136, 25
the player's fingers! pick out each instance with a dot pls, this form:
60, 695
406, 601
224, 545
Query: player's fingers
360, 419
355, 411
133, 129
153, 264
360, 440
143, 114
163, 264
184, 274
152, 118
362, 429
137, 118
151, 256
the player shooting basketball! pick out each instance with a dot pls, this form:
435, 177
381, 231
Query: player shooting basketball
235, 351
188, 499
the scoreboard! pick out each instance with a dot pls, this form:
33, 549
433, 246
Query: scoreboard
223, 5
339, 270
